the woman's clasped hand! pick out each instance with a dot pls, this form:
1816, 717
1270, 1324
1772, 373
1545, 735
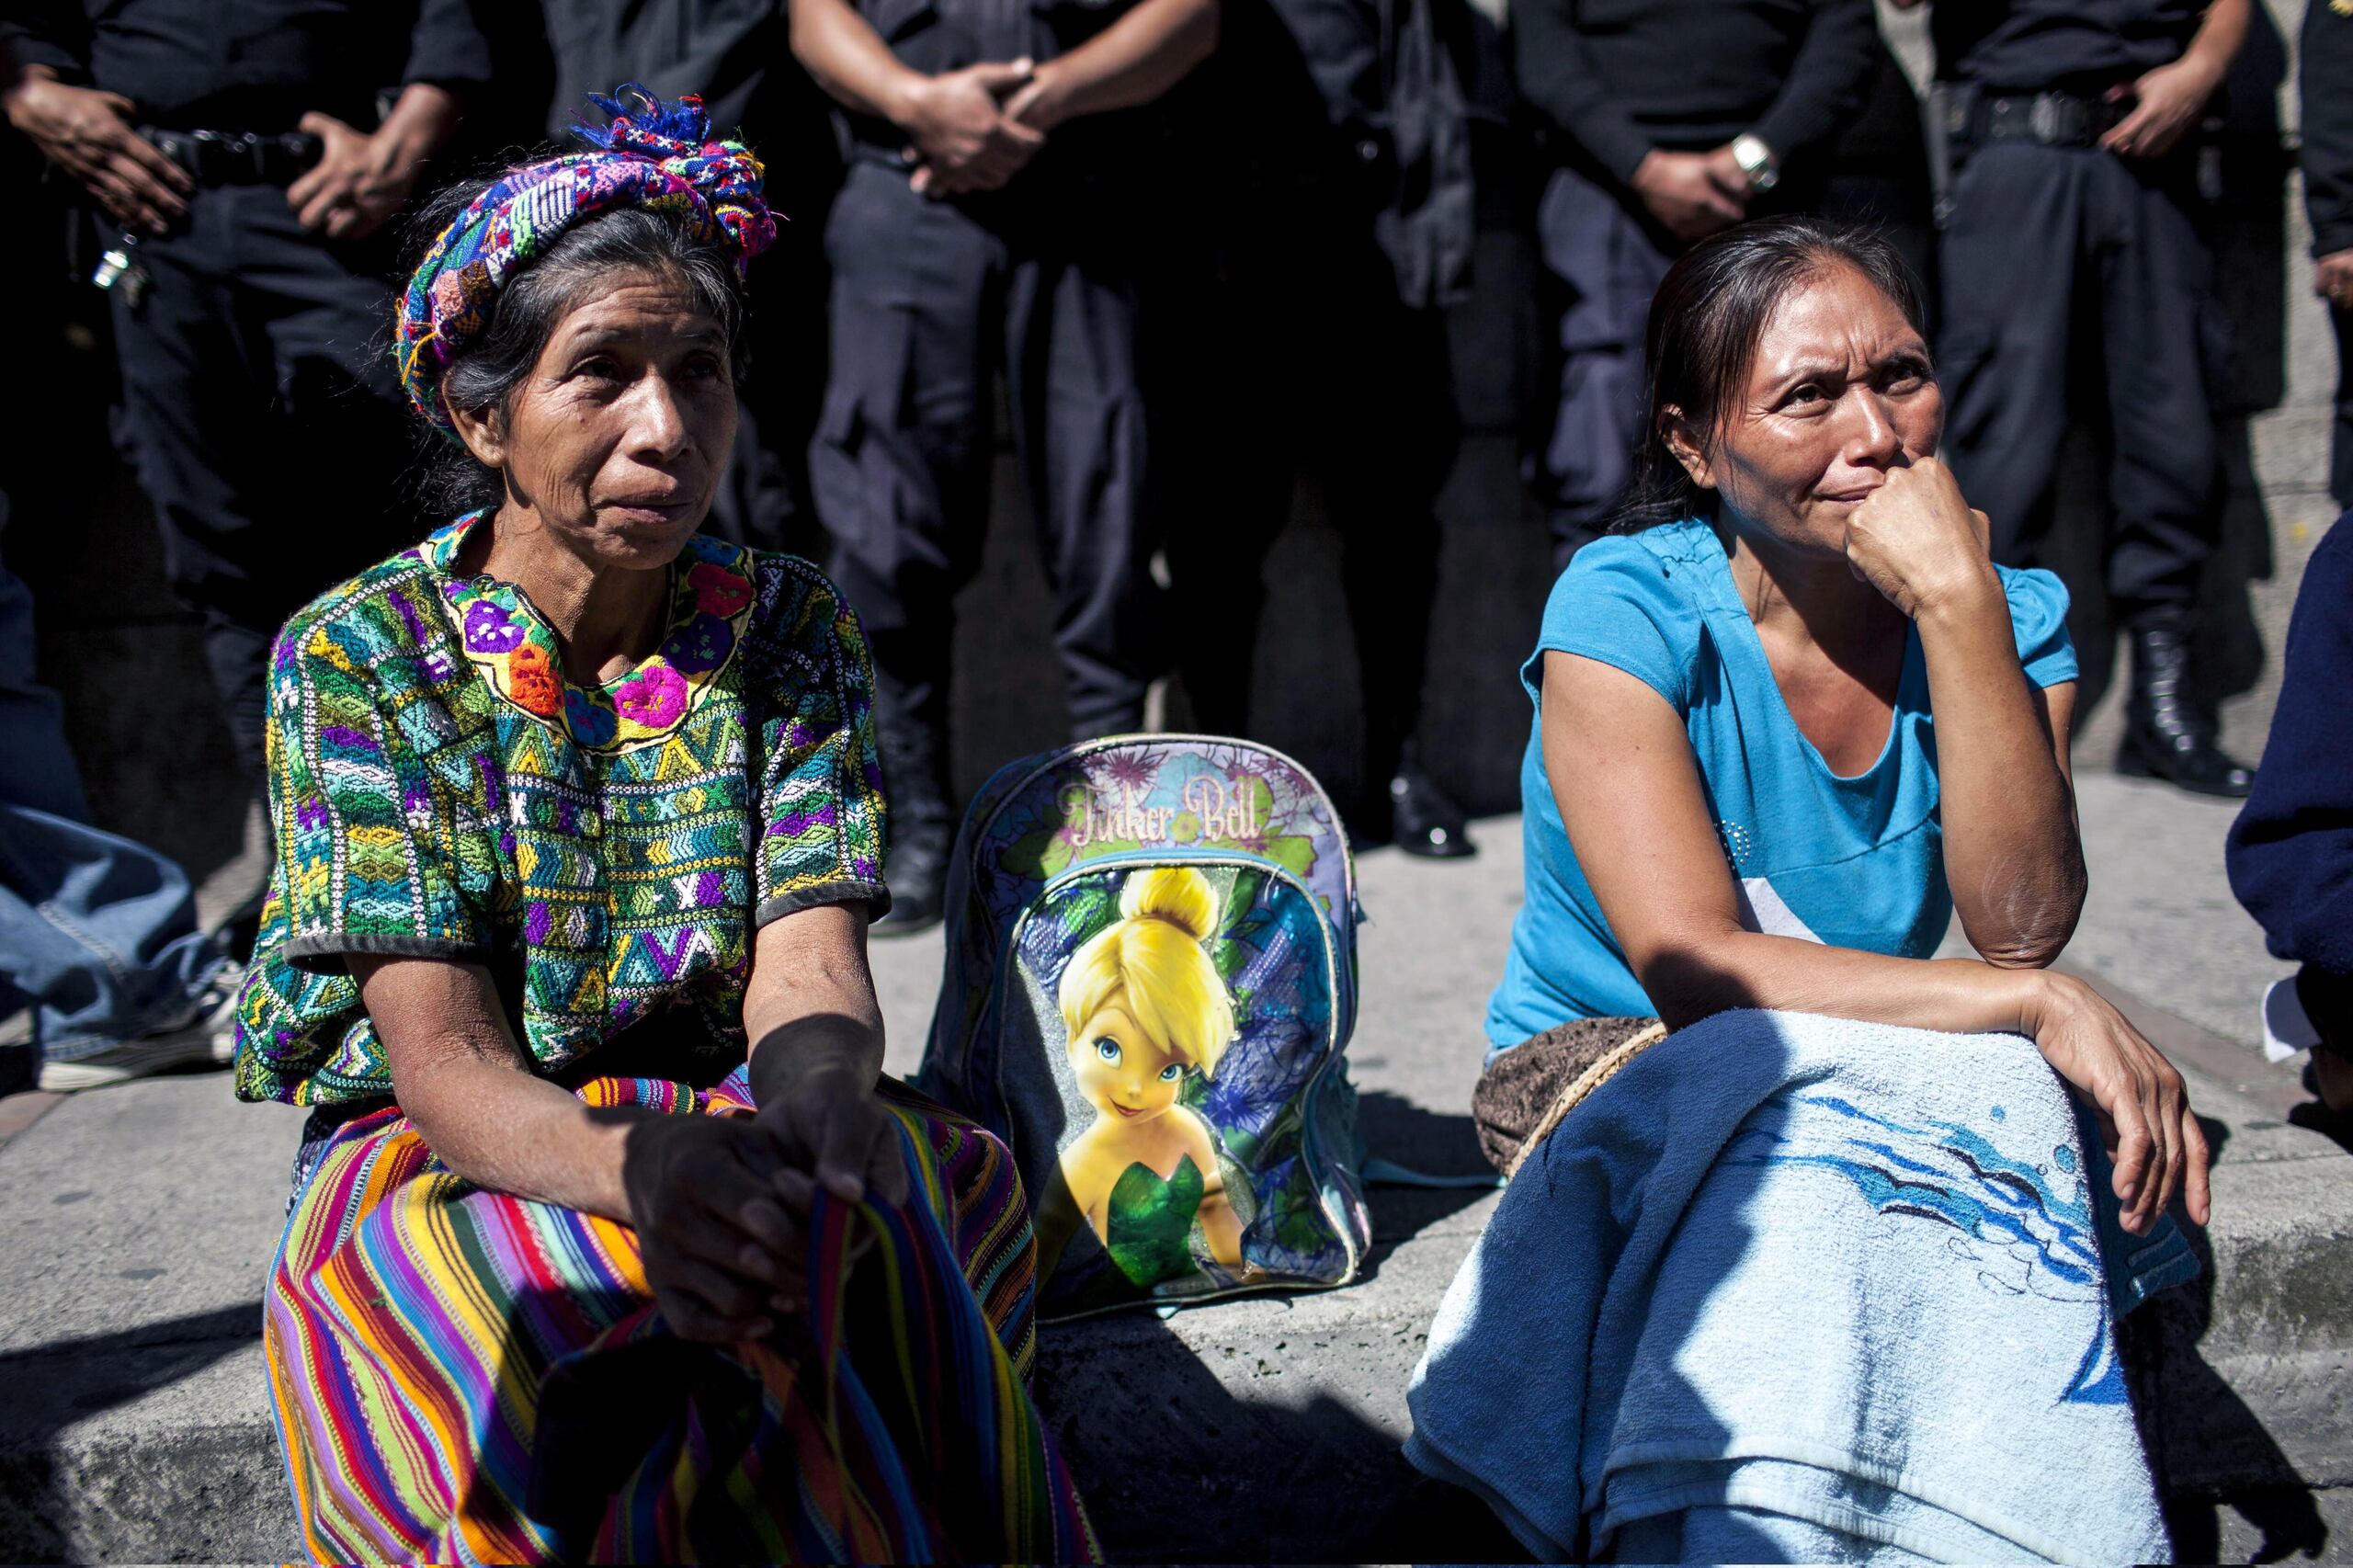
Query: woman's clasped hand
1919, 543
723, 1204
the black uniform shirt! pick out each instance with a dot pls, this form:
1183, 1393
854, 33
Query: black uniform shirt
2325, 76
1623, 77
2070, 46
250, 64
722, 50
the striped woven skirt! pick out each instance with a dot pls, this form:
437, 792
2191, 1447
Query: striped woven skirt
464, 1376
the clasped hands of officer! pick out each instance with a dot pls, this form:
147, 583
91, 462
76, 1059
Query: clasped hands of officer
360, 180
976, 128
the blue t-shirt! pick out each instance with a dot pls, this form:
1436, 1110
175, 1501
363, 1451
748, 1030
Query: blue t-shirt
1855, 862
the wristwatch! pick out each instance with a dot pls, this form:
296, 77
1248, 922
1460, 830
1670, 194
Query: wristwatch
1755, 161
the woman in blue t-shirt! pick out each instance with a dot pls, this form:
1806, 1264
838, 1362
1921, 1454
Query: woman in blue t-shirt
1736, 794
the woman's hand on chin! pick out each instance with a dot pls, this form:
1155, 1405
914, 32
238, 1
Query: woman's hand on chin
2146, 1121
1919, 543
718, 1225
832, 1127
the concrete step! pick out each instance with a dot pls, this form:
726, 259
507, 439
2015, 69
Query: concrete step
137, 1225
1264, 1429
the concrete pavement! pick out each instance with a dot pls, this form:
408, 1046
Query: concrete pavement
137, 1223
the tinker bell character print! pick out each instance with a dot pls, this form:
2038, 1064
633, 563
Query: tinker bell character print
1143, 1004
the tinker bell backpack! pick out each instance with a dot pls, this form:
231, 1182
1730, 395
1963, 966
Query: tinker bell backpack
1150, 981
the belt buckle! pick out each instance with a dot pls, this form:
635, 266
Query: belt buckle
2044, 118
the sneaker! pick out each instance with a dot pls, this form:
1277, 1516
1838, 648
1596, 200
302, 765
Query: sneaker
210, 1039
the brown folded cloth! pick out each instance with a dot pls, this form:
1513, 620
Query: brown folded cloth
1525, 1091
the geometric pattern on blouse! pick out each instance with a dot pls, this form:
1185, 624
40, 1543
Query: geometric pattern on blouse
607, 853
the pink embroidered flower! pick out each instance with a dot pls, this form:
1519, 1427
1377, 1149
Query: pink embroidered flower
655, 697
532, 683
718, 591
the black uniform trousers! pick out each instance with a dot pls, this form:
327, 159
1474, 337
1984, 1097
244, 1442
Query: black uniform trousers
262, 416
1292, 348
929, 300
2340, 447
1601, 263
2074, 279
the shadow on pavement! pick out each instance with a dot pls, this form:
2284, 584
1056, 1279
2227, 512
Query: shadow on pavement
1177, 1466
47, 1388
2205, 1445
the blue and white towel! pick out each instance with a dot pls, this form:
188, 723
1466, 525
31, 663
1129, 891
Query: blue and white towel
1793, 1287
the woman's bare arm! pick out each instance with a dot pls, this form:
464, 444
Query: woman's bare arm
815, 1033
1638, 820
720, 1251
2013, 856
462, 1078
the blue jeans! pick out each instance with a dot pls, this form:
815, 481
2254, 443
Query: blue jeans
97, 934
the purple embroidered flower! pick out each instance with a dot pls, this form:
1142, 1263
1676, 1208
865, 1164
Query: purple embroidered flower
490, 630
700, 644
592, 722
655, 697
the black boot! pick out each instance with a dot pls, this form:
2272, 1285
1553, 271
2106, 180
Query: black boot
911, 728
1412, 812
2166, 735
917, 873
1424, 821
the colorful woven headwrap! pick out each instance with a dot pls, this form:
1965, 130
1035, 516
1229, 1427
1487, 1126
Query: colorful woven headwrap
647, 155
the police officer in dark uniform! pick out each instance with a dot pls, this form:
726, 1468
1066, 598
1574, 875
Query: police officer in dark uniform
2325, 78
2075, 265
1666, 120
247, 154
985, 222
1321, 223
737, 56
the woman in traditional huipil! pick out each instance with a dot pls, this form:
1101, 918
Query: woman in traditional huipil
608, 1239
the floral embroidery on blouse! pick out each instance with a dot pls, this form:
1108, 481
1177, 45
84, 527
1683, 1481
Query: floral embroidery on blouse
504, 636
439, 790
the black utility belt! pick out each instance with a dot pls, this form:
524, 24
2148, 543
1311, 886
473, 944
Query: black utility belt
2047, 119
236, 157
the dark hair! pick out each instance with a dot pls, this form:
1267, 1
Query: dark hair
1705, 321
586, 258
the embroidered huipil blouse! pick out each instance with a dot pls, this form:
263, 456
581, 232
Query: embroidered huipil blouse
440, 789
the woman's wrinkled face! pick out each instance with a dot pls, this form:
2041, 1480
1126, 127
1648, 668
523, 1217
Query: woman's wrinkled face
1840, 392
1124, 1072
617, 436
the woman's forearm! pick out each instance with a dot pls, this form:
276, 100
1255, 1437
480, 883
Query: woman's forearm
1747, 969
501, 1127
810, 1008
2012, 857
462, 1078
